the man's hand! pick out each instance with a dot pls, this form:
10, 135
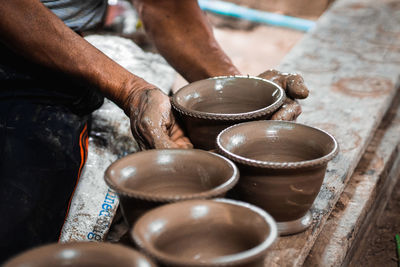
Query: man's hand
152, 122
294, 86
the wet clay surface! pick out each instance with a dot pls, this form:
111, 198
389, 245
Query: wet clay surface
293, 83
281, 183
202, 231
294, 87
278, 151
231, 95
226, 240
83, 254
150, 178
164, 184
207, 107
170, 173
276, 141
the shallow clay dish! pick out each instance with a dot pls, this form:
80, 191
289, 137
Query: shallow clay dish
282, 166
218, 232
150, 178
206, 107
82, 254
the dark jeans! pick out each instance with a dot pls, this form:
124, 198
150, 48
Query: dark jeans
42, 151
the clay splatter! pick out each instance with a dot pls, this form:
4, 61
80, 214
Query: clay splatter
363, 86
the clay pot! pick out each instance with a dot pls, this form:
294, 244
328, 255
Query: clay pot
282, 166
82, 254
206, 107
218, 232
147, 179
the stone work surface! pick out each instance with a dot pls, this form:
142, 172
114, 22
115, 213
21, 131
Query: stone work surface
350, 62
94, 204
367, 191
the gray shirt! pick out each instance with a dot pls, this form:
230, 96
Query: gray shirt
79, 15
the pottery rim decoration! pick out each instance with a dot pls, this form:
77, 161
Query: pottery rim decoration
208, 106
80, 254
150, 178
200, 217
284, 188
179, 99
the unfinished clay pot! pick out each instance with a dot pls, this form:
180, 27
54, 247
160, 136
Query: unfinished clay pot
282, 166
206, 107
81, 254
218, 232
147, 179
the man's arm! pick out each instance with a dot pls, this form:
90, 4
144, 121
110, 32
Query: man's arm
183, 35
33, 31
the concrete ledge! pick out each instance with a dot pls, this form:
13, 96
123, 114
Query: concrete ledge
364, 197
351, 63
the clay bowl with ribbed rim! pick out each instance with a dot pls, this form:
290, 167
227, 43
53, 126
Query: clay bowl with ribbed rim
218, 232
282, 166
206, 107
147, 179
81, 254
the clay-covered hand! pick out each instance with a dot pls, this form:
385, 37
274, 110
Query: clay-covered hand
152, 122
294, 86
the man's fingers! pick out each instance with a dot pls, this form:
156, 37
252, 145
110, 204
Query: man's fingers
179, 138
295, 87
163, 141
161, 132
289, 111
153, 124
293, 84
177, 135
273, 76
137, 135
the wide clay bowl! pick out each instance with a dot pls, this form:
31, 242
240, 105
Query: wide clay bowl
82, 254
217, 232
282, 166
151, 178
206, 107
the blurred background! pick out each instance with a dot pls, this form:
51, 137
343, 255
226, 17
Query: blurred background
253, 47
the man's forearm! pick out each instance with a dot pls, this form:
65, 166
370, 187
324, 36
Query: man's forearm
31, 30
182, 34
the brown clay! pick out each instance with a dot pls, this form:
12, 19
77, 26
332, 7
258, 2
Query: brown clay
293, 83
209, 106
151, 178
282, 165
289, 111
82, 254
363, 86
206, 233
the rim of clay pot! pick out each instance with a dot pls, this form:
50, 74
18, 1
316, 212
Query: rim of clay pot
278, 165
55, 251
214, 192
224, 116
229, 260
